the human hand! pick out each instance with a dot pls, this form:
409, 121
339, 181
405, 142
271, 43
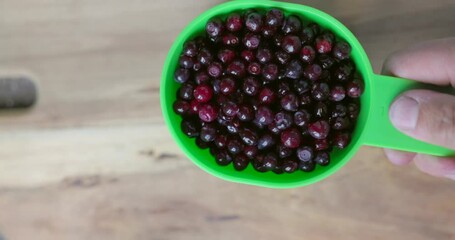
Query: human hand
423, 114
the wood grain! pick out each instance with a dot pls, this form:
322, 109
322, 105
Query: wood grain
93, 159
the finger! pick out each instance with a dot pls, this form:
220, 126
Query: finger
436, 166
399, 158
430, 62
425, 115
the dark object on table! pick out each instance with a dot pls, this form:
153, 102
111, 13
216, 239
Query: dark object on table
17, 92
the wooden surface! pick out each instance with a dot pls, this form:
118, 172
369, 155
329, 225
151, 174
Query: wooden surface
93, 159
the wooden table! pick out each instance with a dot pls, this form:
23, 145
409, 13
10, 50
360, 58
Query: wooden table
93, 159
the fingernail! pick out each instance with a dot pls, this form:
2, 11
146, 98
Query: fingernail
404, 113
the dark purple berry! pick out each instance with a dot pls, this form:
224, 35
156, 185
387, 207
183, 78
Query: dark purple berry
227, 86
207, 113
306, 166
194, 106
328, 35
234, 146
266, 96
290, 102
236, 68
319, 129
233, 126
229, 39
205, 56
250, 151
216, 86
307, 54
325, 61
251, 41
282, 57
248, 136
254, 68
290, 166
240, 162
251, 86
253, 22
215, 69
220, 141
274, 17
266, 141
270, 72
197, 66
283, 89
201, 78
302, 118
337, 93
301, 86
277, 40
291, 44
190, 49
223, 158
341, 139
305, 100
208, 133
181, 75
305, 153
186, 62
283, 120
230, 109
258, 163
247, 55
203, 93
245, 113
315, 27
343, 71
323, 45
339, 110
294, 69
270, 161
186, 91
291, 138
284, 152
254, 103
312, 72
273, 128
322, 158
355, 88
321, 144
268, 31
320, 91
201, 144
341, 123
264, 115
307, 35
353, 110
264, 55
321, 110
234, 22
181, 107
292, 25
214, 27
226, 56
341, 50
190, 128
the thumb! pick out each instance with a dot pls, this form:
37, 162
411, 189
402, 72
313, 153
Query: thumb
426, 115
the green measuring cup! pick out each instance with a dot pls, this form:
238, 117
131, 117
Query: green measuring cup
373, 126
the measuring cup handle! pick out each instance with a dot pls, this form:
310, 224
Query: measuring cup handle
379, 131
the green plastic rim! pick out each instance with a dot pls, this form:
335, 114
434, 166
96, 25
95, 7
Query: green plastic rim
202, 158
